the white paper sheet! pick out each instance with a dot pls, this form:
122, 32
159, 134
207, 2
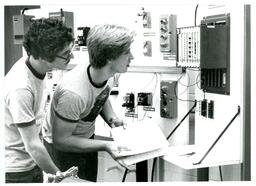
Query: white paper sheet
144, 140
129, 160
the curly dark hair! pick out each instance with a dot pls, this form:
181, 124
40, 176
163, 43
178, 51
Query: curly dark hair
46, 37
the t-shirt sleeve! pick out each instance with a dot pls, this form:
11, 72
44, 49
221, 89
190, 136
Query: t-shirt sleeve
20, 104
68, 106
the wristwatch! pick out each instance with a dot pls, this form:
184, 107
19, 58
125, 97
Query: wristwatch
113, 120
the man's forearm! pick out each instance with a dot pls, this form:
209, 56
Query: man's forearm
43, 159
80, 144
108, 113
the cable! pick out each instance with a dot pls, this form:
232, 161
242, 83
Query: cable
149, 82
125, 173
153, 169
187, 86
195, 102
196, 13
62, 16
199, 74
179, 80
175, 91
214, 143
221, 178
23, 10
157, 79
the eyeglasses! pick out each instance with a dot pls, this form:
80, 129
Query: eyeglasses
65, 58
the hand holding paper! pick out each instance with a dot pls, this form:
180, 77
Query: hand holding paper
141, 139
114, 148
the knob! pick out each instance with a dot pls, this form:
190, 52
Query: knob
164, 36
163, 111
163, 21
164, 28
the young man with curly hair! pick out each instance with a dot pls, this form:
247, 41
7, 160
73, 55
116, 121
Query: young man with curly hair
48, 44
82, 95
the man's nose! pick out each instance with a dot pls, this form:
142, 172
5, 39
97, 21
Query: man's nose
131, 56
71, 55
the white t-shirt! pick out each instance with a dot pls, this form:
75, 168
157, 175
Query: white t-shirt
24, 99
77, 99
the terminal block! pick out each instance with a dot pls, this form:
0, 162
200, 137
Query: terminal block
211, 109
204, 108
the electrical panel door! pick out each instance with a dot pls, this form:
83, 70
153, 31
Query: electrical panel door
215, 54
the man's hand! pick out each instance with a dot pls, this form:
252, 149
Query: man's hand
114, 150
116, 122
121, 162
59, 176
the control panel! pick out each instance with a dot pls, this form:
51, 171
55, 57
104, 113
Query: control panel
145, 98
188, 50
82, 35
168, 99
215, 54
129, 103
21, 25
168, 24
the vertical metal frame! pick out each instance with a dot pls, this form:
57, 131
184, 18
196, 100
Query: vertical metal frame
246, 166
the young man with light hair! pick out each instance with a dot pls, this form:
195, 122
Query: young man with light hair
82, 95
